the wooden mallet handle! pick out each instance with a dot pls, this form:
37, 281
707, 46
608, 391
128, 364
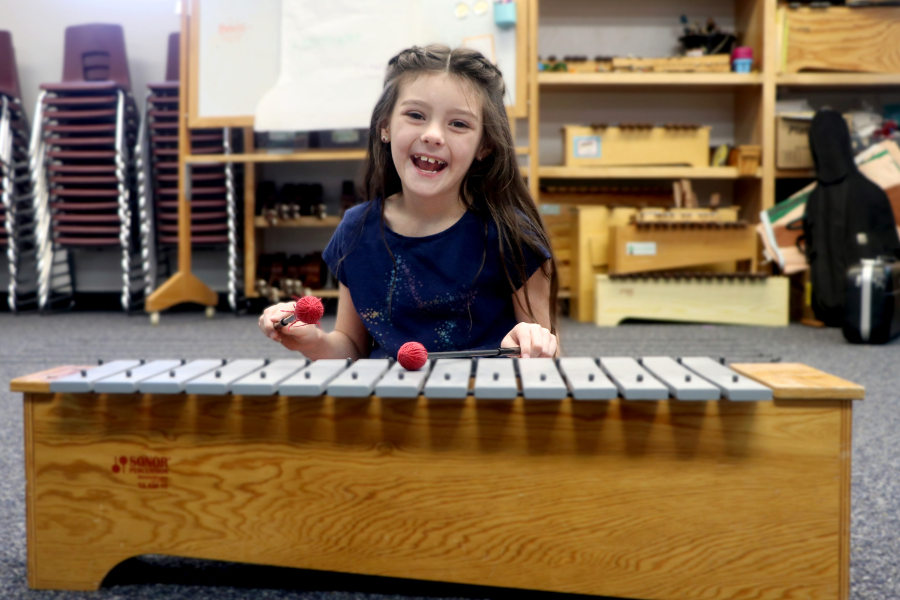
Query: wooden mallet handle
475, 353
285, 322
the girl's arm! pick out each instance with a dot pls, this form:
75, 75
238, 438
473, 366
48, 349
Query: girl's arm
534, 338
350, 339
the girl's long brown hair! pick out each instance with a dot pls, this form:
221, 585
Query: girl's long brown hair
496, 178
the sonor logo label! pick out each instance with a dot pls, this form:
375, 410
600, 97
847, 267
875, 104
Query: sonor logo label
151, 471
119, 463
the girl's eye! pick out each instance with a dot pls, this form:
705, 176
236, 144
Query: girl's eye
460, 124
415, 115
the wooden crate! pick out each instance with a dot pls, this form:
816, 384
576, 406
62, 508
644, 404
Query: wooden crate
841, 39
746, 158
635, 146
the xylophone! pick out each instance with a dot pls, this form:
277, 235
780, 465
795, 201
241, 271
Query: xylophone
639, 478
728, 298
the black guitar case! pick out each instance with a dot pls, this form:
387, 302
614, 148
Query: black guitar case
848, 218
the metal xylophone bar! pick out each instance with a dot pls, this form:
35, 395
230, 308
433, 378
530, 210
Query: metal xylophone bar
647, 378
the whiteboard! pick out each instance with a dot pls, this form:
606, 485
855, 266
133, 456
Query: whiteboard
253, 60
239, 49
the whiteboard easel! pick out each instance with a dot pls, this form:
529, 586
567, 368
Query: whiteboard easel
235, 49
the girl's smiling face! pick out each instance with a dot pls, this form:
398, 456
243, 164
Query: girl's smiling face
435, 131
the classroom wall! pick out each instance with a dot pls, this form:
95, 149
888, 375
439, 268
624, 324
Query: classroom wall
647, 28
38, 31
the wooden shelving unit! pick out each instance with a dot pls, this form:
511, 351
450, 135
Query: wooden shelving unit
754, 95
833, 82
795, 173
305, 222
276, 157
642, 173
650, 79
754, 104
838, 80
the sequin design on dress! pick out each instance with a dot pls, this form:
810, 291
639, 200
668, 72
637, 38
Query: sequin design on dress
449, 311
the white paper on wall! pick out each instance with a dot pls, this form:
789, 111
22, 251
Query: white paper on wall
239, 55
334, 55
333, 58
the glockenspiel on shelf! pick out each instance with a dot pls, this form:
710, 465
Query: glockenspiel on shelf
653, 478
693, 297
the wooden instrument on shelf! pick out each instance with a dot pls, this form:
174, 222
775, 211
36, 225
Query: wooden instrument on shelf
647, 246
693, 297
635, 144
651, 478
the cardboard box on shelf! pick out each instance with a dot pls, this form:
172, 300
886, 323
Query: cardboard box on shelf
792, 141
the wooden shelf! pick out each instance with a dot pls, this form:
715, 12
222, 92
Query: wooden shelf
332, 222
838, 79
317, 293
795, 174
640, 173
266, 157
325, 293
549, 79
299, 156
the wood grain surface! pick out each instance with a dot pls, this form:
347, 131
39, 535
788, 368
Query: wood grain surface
40, 382
664, 500
679, 248
843, 39
795, 380
734, 302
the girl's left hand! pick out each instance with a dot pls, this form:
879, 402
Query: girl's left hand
534, 340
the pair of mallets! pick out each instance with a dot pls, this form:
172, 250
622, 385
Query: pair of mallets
412, 355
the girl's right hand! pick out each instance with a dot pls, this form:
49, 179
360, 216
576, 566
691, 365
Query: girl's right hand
295, 336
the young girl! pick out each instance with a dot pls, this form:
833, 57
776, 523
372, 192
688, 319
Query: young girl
449, 251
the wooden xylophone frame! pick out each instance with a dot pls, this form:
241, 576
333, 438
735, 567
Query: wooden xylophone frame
666, 500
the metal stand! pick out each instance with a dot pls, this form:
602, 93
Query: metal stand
236, 292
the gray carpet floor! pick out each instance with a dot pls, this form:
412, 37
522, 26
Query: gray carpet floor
30, 343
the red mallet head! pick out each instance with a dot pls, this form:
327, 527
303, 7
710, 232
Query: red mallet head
309, 309
412, 355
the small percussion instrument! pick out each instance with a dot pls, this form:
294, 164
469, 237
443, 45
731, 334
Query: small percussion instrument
646, 478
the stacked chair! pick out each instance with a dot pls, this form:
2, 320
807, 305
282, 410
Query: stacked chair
214, 188
17, 239
86, 129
